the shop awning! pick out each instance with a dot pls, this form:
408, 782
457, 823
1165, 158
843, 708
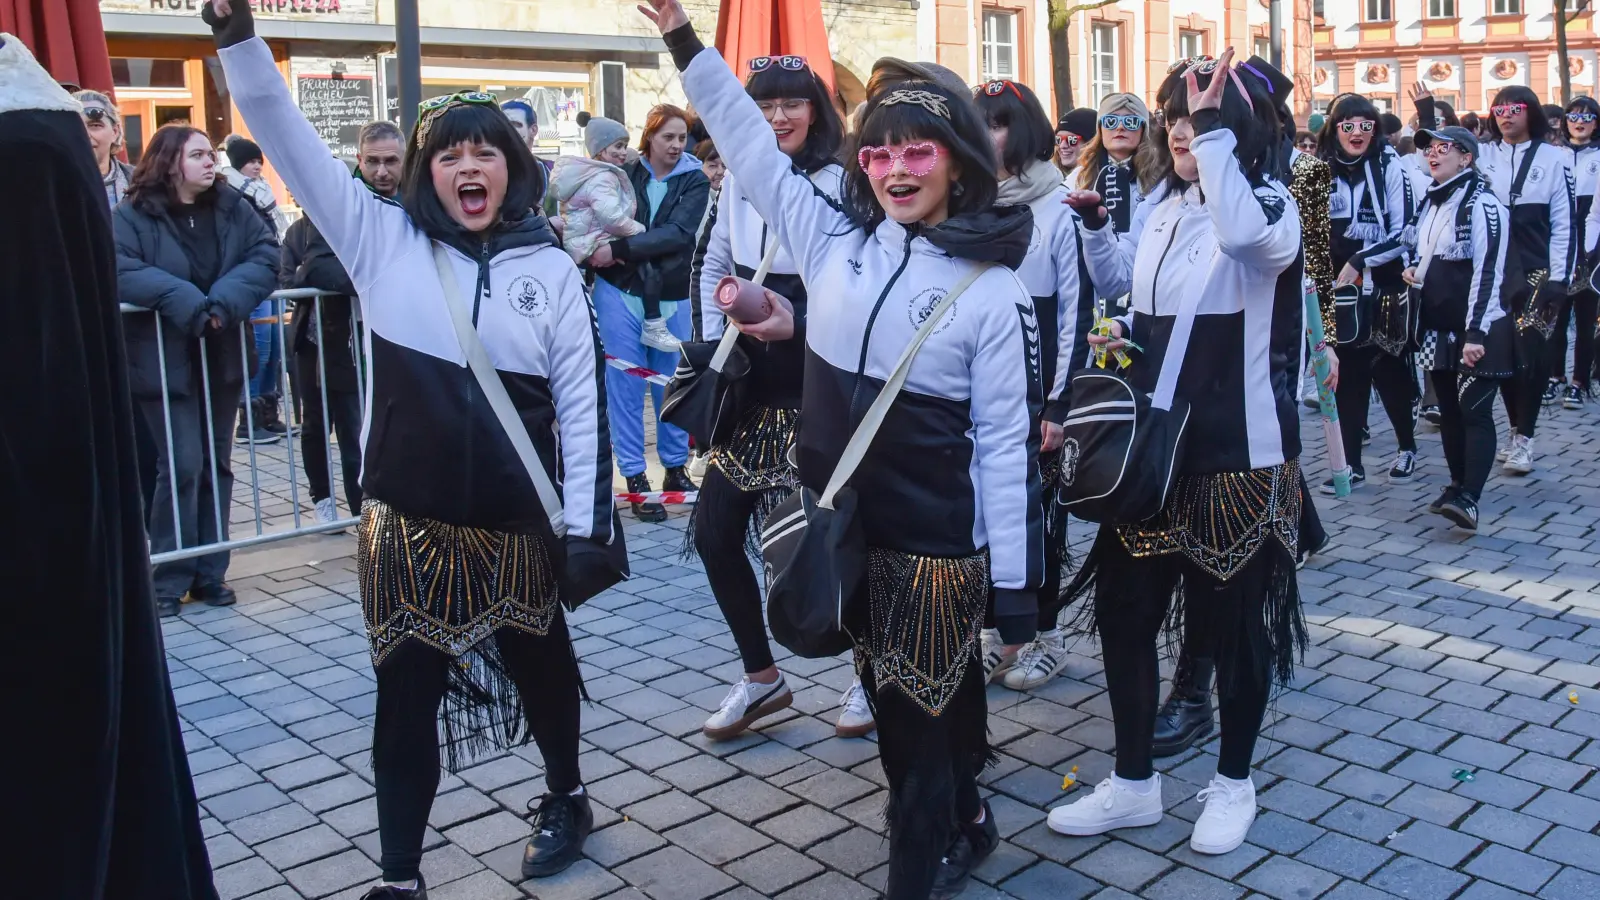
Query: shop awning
65, 36
752, 28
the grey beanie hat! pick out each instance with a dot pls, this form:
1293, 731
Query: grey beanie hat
600, 132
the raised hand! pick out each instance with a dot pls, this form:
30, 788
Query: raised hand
667, 14
1419, 92
1211, 97
230, 20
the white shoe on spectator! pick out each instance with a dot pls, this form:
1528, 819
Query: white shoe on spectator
1114, 804
1039, 661
328, 511
654, 334
1512, 438
697, 466
747, 702
855, 716
1520, 460
997, 660
1230, 810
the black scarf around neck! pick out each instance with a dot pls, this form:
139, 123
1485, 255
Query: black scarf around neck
1118, 190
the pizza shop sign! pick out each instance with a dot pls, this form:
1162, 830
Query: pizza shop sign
278, 6
340, 10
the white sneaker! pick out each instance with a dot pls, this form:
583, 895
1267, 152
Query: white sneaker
855, 716
746, 703
328, 511
996, 660
1230, 810
1039, 661
697, 466
655, 334
1111, 806
1520, 460
1512, 439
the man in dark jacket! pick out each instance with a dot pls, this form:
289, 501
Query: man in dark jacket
201, 284
327, 323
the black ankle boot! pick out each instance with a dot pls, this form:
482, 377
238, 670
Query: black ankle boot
1185, 717
677, 479
646, 512
560, 826
973, 843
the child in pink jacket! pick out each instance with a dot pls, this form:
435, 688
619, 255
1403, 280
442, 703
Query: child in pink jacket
597, 200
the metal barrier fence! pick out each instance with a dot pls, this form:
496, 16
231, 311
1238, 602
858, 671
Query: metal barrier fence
268, 528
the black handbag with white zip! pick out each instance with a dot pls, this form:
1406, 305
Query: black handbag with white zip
814, 555
1122, 448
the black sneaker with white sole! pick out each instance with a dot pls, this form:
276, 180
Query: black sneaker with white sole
1431, 415
1551, 388
1461, 510
973, 844
1405, 466
1357, 479
1449, 491
560, 826
1573, 398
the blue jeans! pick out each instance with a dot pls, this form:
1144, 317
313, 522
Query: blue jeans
269, 351
619, 333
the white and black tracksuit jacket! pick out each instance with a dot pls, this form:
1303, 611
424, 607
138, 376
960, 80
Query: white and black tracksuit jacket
1239, 249
1368, 229
739, 239
1541, 212
954, 468
1586, 179
1056, 277
1461, 256
432, 446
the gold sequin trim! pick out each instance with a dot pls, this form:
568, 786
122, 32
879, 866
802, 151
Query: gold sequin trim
924, 615
1311, 185
1219, 521
755, 456
448, 586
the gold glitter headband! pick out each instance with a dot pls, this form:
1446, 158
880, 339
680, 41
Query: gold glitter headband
429, 116
926, 99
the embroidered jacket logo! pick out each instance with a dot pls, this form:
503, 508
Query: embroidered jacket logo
528, 296
922, 306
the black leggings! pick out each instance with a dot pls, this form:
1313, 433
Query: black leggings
1360, 370
1143, 591
1466, 426
721, 517
405, 737
1581, 306
1523, 393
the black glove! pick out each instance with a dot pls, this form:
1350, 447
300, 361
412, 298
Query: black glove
589, 570
236, 28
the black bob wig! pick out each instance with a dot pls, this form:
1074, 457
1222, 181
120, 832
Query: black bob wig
826, 133
1030, 135
1251, 117
1538, 125
1350, 106
474, 123
963, 135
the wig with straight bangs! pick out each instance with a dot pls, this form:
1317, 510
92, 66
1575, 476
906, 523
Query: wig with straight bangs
1538, 126
473, 123
1258, 135
963, 136
1350, 106
826, 133
1030, 135
1580, 104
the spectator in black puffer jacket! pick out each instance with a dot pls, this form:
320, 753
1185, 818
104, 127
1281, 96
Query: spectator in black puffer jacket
196, 254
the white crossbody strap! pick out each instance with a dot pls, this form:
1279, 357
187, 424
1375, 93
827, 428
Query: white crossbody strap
856, 449
494, 390
730, 334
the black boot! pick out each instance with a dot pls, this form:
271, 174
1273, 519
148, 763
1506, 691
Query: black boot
1185, 718
646, 512
560, 826
390, 892
677, 479
973, 844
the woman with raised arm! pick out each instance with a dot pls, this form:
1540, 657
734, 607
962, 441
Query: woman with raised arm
1063, 302
1221, 251
747, 472
948, 492
459, 555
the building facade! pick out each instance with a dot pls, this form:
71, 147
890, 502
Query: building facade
1464, 51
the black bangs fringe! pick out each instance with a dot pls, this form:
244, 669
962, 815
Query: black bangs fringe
776, 82
473, 123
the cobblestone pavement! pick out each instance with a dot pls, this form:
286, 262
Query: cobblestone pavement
1433, 652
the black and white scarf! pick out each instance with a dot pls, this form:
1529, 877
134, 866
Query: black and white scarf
1469, 185
1119, 193
1360, 194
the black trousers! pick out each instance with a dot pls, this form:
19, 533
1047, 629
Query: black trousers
1466, 426
1222, 621
1523, 392
721, 518
185, 469
1360, 370
343, 419
405, 736
1581, 307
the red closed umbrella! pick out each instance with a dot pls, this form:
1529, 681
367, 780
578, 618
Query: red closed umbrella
66, 37
752, 28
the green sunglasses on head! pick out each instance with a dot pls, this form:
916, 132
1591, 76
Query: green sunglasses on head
444, 100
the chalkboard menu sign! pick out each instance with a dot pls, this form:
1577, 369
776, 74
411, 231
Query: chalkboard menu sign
337, 108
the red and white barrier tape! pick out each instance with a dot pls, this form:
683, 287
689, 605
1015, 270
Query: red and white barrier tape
667, 497
637, 371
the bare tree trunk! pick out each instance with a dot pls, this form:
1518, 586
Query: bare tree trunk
1561, 51
1061, 67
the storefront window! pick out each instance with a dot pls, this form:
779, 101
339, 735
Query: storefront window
147, 73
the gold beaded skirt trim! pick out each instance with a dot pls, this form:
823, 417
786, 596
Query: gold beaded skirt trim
923, 618
755, 457
1219, 521
448, 586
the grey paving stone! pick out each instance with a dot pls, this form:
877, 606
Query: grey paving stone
1417, 880
333, 793
1365, 784
224, 849
1302, 765
717, 839
625, 788
1566, 809
832, 788
244, 802
484, 885
1434, 806
1345, 856
1438, 845
1048, 881
774, 869
664, 811
697, 773
1191, 884
1496, 789
1512, 868
1572, 884
491, 831
853, 852
803, 826
335, 873
250, 876
672, 874
747, 799
828, 886
1362, 820
1505, 827
1297, 800
1285, 879
1573, 848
